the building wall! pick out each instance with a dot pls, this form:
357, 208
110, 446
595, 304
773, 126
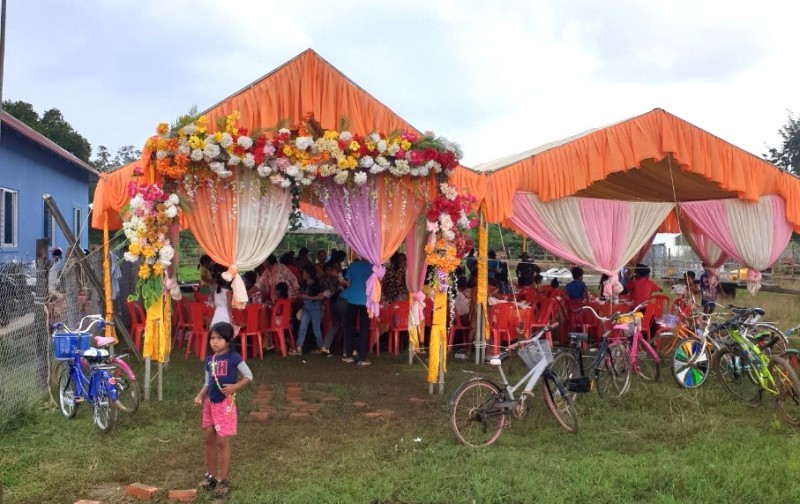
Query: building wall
32, 171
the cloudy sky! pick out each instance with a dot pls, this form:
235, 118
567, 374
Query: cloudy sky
498, 77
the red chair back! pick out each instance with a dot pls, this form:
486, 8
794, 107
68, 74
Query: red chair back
499, 315
253, 316
661, 303
399, 315
136, 312
282, 314
197, 311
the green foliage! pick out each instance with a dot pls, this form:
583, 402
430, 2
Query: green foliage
104, 161
787, 156
53, 126
186, 119
149, 290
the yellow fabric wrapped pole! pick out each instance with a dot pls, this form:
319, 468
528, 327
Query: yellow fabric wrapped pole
438, 337
110, 332
158, 330
481, 296
524, 243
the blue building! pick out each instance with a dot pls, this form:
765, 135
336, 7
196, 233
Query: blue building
30, 166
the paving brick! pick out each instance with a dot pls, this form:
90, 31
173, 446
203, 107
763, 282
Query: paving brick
84, 501
360, 404
260, 403
141, 491
330, 398
182, 495
292, 384
299, 414
417, 400
260, 416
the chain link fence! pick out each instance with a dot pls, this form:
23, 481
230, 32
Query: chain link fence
33, 296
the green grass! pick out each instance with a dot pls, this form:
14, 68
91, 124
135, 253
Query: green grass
658, 444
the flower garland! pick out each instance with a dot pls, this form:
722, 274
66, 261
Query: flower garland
447, 221
292, 159
150, 213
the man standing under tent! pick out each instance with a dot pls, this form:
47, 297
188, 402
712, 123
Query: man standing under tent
356, 295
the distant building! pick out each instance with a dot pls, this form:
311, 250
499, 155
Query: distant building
30, 166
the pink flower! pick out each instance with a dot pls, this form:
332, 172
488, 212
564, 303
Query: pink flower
415, 158
401, 154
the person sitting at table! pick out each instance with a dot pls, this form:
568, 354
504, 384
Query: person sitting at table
641, 288
393, 286
222, 297
462, 301
525, 271
206, 266
603, 279
278, 273
503, 283
249, 279
312, 294
576, 289
537, 281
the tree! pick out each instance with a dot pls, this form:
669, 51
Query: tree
788, 155
103, 160
53, 126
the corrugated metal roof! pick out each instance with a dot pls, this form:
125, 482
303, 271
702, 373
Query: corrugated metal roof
34, 136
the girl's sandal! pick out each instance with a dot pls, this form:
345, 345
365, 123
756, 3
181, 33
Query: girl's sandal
223, 487
209, 482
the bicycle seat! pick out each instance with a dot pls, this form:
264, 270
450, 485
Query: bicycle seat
495, 360
95, 354
102, 341
579, 336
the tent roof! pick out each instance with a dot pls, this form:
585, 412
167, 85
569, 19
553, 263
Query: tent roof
652, 157
305, 84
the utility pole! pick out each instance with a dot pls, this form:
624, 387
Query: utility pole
2, 53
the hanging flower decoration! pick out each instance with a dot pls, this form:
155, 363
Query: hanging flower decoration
149, 215
294, 158
448, 218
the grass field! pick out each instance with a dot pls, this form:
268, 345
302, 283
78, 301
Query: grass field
658, 444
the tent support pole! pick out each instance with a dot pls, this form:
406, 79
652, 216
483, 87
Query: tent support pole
483, 281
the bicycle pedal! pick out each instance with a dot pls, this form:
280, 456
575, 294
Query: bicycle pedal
79, 400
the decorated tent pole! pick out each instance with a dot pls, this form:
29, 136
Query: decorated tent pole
107, 279
483, 286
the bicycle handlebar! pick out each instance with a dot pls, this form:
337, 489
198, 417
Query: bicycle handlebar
616, 315
94, 320
537, 336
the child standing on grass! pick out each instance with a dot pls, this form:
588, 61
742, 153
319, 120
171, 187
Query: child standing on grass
219, 408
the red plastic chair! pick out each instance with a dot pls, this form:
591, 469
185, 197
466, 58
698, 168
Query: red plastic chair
181, 325
138, 321
453, 329
650, 310
253, 317
498, 325
280, 323
661, 302
398, 322
547, 315
198, 331
375, 324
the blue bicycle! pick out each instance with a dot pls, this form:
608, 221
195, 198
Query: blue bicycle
74, 386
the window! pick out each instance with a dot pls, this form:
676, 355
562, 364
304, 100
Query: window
76, 223
8, 218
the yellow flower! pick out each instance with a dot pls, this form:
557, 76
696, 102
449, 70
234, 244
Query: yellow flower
405, 145
218, 136
354, 146
162, 128
331, 135
341, 162
135, 249
351, 162
158, 269
202, 124
195, 142
144, 271
287, 150
148, 251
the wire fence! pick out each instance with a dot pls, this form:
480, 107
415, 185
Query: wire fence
33, 296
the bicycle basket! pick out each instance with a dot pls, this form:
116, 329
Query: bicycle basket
535, 352
66, 344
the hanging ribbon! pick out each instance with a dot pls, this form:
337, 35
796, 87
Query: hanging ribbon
416, 318
753, 281
237, 286
374, 290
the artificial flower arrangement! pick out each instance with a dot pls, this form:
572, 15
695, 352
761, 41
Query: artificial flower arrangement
448, 219
149, 215
294, 158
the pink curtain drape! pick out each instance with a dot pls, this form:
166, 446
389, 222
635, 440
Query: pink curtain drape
639, 257
415, 278
753, 233
600, 234
704, 247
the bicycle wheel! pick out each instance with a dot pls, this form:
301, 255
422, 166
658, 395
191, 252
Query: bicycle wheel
565, 366
735, 375
766, 332
613, 374
127, 389
664, 343
649, 369
787, 402
474, 415
691, 362
105, 410
561, 405
66, 392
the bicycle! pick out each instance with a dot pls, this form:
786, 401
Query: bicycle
479, 408
74, 386
742, 364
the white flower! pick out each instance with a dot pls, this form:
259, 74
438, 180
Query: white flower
400, 168
245, 142
137, 202
161, 154
285, 183
449, 235
216, 167
375, 137
303, 142
174, 199
433, 165
211, 151
276, 179
446, 222
366, 162
184, 149
197, 155
360, 178
249, 160
423, 172
414, 172
345, 136
463, 222
189, 129
227, 140
225, 174
381, 146
264, 170
284, 131
306, 181
382, 161
376, 169
392, 150
171, 211
234, 160
340, 178
448, 191
293, 171
433, 227
130, 257
166, 254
